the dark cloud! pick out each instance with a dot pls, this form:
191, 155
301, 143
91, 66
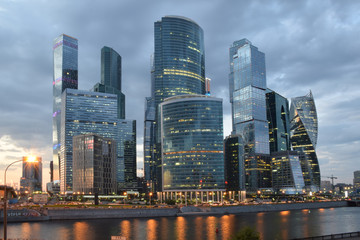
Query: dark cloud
308, 45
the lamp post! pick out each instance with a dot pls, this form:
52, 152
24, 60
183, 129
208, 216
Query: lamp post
28, 159
150, 194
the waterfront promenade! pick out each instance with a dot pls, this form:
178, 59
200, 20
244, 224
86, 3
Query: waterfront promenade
101, 212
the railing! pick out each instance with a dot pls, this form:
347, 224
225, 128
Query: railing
332, 236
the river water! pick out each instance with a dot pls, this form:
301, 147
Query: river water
271, 225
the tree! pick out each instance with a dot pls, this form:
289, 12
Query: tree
247, 233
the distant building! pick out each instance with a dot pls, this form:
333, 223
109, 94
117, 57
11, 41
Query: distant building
303, 137
192, 144
207, 86
326, 186
247, 81
31, 180
65, 50
111, 77
286, 171
357, 180
94, 165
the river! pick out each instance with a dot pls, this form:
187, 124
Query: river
271, 225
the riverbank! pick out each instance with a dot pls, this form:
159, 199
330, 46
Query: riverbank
121, 213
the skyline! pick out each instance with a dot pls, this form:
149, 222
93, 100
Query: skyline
285, 32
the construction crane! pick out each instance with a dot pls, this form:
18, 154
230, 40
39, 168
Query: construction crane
332, 180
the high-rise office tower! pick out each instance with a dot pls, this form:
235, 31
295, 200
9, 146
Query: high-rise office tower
111, 77
178, 69
247, 81
287, 176
277, 110
31, 179
86, 112
127, 148
192, 144
303, 138
356, 180
234, 163
149, 134
94, 164
65, 50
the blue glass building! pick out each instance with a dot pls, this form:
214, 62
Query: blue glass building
87, 112
287, 177
303, 137
192, 144
178, 69
149, 134
65, 49
111, 77
247, 82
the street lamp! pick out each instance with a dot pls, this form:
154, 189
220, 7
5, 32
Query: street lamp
150, 194
30, 159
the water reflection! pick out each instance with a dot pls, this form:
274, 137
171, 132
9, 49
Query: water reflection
227, 223
80, 230
181, 228
164, 228
151, 229
271, 225
125, 229
260, 224
285, 222
199, 227
211, 227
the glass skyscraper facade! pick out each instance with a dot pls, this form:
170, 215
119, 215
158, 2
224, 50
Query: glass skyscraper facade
303, 137
192, 143
149, 134
65, 50
94, 164
84, 112
178, 68
179, 58
247, 82
126, 170
31, 179
234, 163
287, 175
111, 77
277, 109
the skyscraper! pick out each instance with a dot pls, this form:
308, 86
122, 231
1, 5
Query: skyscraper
31, 179
94, 164
178, 69
65, 50
234, 163
85, 112
127, 153
192, 144
247, 81
277, 109
356, 180
303, 137
287, 176
111, 77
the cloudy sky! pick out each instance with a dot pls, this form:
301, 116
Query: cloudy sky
308, 45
